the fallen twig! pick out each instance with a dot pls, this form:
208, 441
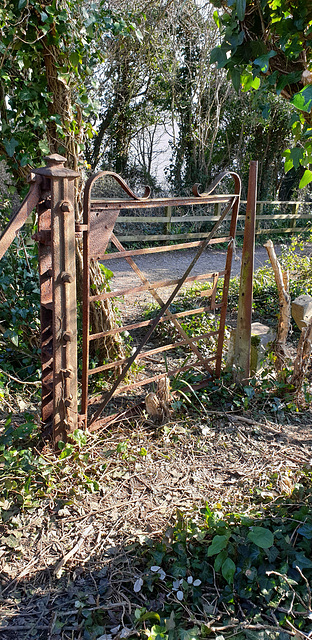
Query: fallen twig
58, 569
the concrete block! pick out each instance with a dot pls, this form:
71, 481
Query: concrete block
261, 338
301, 310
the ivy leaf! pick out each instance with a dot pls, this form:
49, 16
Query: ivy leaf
240, 9
74, 58
228, 570
218, 543
306, 179
296, 155
301, 560
10, 146
264, 60
189, 634
303, 99
306, 531
218, 55
236, 79
261, 537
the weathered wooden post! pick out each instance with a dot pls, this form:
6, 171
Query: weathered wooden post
244, 312
62, 334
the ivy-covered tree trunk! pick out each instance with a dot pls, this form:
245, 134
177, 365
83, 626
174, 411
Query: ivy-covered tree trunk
102, 314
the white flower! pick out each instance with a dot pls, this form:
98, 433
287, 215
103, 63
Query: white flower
180, 595
138, 585
190, 579
176, 584
155, 568
196, 583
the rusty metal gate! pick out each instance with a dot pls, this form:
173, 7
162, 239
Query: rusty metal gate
99, 219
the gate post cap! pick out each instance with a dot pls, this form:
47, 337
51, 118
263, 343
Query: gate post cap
54, 159
55, 168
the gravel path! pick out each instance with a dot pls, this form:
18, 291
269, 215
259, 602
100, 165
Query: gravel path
164, 266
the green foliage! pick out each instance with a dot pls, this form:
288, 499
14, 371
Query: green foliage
20, 303
48, 53
28, 476
231, 569
265, 47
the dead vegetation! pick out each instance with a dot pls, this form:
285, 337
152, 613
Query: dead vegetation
74, 547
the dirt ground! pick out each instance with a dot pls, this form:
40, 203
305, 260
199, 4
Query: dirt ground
75, 548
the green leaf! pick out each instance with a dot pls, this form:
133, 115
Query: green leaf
80, 437
218, 543
189, 634
10, 146
216, 19
306, 179
74, 58
14, 338
150, 615
240, 9
43, 146
263, 61
220, 559
302, 561
248, 82
284, 80
228, 570
296, 155
22, 4
303, 99
261, 537
236, 79
218, 55
306, 530
106, 272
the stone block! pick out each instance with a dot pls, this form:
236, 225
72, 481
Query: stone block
301, 310
261, 337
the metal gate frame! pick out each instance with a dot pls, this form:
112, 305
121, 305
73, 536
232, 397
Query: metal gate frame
99, 219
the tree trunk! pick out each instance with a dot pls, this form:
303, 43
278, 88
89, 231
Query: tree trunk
303, 357
282, 282
102, 313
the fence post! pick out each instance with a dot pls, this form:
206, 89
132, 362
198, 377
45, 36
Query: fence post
259, 212
167, 225
295, 209
64, 306
217, 209
244, 312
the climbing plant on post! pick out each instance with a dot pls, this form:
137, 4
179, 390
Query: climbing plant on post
48, 53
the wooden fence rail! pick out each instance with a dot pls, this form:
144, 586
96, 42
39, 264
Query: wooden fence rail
266, 213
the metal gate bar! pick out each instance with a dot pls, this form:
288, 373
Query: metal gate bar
95, 246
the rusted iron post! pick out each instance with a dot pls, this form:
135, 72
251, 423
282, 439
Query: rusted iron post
64, 308
244, 313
